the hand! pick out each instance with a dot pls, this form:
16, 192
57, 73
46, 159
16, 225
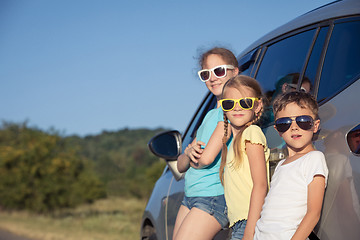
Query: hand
194, 151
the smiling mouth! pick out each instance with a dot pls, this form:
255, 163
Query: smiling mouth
215, 84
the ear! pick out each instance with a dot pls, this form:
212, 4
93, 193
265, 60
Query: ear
316, 125
236, 71
284, 87
258, 107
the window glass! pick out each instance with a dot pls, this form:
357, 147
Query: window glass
311, 69
281, 66
342, 60
206, 105
246, 63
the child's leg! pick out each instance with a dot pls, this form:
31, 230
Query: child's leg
206, 217
182, 213
198, 225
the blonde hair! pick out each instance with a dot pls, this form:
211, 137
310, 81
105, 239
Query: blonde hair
238, 82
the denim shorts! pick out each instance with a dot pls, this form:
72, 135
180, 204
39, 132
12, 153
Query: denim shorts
238, 230
215, 206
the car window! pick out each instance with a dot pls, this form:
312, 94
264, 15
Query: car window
342, 61
282, 63
247, 62
313, 63
208, 104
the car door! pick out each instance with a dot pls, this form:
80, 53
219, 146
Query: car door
176, 188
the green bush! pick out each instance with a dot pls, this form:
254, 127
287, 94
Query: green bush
122, 160
39, 172
42, 171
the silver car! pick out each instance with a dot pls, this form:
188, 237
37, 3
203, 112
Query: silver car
317, 52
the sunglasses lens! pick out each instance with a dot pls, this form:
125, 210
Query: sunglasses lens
246, 103
304, 122
227, 105
205, 75
283, 124
220, 72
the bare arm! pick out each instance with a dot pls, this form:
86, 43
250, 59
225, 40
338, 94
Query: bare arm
316, 191
184, 160
197, 157
255, 153
213, 146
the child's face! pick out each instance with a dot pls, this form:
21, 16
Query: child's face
296, 137
238, 117
215, 85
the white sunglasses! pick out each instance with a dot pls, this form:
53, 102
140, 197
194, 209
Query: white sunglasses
218, 71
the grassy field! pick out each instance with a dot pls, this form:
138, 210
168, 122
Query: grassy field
110, 219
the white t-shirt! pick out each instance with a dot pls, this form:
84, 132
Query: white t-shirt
286, 203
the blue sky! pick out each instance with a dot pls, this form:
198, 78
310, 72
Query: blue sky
84, 66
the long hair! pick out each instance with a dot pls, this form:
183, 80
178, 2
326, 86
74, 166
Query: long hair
239, 82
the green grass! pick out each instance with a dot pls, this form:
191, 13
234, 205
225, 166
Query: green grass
113, 218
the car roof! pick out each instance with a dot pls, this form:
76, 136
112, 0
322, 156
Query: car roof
336, 9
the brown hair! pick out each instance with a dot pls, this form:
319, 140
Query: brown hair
239, 82
302, 99
224, 53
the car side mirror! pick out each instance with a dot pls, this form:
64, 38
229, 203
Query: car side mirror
167, 145
353, 140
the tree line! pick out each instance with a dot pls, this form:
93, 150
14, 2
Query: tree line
43, 171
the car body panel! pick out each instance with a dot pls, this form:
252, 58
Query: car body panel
340, 218
156, 206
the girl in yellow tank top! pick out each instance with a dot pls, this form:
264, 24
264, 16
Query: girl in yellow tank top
244, 168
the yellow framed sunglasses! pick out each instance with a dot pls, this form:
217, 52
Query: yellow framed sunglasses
245, 103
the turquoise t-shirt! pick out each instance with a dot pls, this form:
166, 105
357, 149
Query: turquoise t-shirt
206, 182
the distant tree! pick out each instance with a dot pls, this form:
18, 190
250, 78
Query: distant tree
39, 172
122, 160
42, 170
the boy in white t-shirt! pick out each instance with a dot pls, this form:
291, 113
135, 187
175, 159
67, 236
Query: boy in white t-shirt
293, 204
